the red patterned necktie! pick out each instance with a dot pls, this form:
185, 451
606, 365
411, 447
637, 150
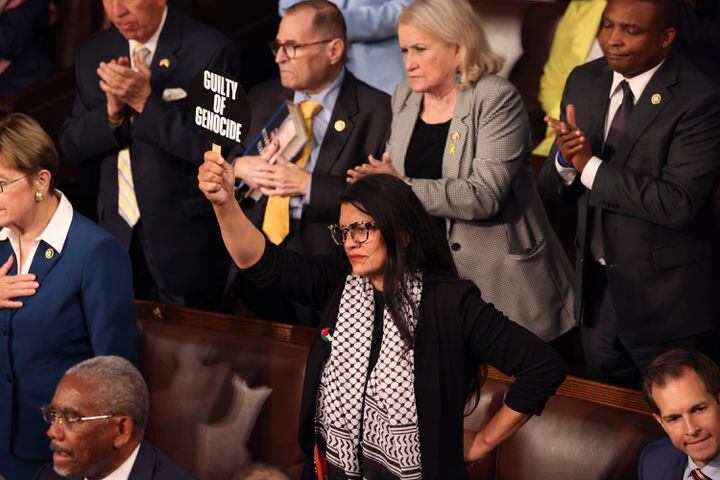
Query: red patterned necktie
698, 475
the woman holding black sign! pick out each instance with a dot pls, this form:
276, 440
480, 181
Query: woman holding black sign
401, 338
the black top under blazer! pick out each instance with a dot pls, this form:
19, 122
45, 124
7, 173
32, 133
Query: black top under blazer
455, 333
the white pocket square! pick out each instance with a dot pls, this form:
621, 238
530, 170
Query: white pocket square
172, 94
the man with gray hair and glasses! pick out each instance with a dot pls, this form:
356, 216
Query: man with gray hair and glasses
97, 420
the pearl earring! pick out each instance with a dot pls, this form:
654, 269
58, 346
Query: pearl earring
38, 196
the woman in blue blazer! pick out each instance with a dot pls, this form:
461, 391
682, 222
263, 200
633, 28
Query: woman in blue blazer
65, 293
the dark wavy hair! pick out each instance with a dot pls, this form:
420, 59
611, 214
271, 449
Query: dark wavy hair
413, 243
412, 240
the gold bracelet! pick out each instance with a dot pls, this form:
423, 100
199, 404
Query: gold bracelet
115, 123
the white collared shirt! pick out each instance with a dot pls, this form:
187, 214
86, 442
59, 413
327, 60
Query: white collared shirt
123, 471
711, 470
151, 44
55, 233
637, 85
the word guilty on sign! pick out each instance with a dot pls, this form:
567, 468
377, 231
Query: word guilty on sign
220, 85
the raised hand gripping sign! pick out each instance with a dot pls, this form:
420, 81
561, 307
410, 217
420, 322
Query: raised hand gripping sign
220, 108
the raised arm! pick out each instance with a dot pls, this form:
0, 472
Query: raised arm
243, 240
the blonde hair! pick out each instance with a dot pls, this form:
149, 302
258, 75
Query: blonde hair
455, 21
24, 145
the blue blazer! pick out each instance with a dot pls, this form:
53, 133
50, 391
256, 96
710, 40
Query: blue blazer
662, 461
150, 464
83, 307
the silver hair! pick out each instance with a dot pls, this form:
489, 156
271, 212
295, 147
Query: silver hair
121, 389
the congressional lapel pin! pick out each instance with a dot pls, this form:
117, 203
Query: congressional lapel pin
455, 136
452, 149
164, 62
49, 253
339, 125
325, 335
656, 99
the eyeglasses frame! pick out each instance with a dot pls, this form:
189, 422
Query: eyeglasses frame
4, 185
276, 46
349, 229
45, 409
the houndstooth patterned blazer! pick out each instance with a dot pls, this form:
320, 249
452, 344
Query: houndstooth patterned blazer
497, 229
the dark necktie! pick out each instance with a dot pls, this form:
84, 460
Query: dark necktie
618, 127
698, 475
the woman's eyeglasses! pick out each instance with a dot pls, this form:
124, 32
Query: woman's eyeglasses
4, 185
359, 232
51, 415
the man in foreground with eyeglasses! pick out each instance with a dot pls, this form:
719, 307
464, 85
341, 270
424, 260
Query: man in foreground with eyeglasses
97, 420
348, 120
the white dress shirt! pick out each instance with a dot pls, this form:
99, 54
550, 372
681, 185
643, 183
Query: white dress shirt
637, 85
151, 44
55, 234
711, 470
123, 471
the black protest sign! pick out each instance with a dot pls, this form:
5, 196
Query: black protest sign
220, 107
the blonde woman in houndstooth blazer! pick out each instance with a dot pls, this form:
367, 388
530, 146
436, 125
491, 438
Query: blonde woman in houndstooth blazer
460, 137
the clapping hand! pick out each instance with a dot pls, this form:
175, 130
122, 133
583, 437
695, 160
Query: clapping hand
123, 85
372, 167
571, 141
14, 286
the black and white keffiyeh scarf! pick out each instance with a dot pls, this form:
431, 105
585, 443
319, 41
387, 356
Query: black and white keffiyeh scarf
384, 410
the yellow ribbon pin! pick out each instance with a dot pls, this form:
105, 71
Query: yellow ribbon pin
452, 149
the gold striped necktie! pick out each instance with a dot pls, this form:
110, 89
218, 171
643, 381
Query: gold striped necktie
128, 207
276, 223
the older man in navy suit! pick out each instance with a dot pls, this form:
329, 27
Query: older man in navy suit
97, 421
683, 391
131, 116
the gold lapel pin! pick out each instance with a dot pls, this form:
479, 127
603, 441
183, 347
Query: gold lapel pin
656, 98
164, 62
455, 136
49, 253
339, 125
452, 149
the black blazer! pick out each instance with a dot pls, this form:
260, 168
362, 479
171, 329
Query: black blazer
367, 115
150, 464
456, 332
165, 148
656, 196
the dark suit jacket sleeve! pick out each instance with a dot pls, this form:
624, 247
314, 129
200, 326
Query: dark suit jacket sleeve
550, 179
326, 189
20, 25
688, 177
307, 279
108, 300
373, 122
513, 350
170, 126
86, 133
